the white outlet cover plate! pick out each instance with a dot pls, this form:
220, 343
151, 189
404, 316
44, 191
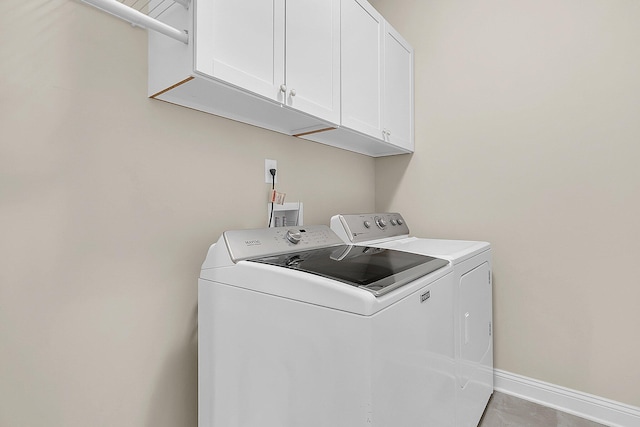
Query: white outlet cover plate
270, 164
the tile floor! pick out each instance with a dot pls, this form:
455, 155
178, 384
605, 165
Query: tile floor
504, 410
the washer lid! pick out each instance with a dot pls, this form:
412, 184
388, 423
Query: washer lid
375, 269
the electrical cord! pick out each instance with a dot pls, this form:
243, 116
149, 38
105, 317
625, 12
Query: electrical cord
273, 187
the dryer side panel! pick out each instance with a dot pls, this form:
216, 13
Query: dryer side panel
475, 320
474, 337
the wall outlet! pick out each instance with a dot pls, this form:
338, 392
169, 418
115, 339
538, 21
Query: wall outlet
270, 164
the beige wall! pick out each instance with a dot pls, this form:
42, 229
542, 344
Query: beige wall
528, 136
108, 202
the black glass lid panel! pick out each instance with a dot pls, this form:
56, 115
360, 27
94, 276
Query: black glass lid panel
354, 265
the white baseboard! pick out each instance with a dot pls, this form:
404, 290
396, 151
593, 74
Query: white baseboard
584, 405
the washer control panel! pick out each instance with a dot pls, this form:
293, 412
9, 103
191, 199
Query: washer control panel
246, 244
372, 226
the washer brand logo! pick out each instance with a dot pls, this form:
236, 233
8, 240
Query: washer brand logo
425, 296
252, 242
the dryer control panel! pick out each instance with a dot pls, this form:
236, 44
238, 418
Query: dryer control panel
371, 226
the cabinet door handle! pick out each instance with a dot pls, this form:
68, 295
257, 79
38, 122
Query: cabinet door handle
283, 88
293, 92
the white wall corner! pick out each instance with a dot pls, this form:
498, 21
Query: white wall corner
588, 406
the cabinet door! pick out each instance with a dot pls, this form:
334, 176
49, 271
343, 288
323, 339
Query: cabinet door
313, 57
242, 43
398, 89
361, 64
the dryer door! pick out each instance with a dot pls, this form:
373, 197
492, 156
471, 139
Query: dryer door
475, 323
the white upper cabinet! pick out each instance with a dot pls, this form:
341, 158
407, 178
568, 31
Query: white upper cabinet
313, 57
362, 43
331, 71
289, 54
398, 90
242, 43
377, 78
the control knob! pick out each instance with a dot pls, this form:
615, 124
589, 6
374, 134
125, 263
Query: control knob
367, 224
380, 222
294, 236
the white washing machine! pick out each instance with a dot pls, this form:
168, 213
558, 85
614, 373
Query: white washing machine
472, 299
296, 328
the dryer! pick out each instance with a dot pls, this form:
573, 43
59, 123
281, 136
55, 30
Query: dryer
297, 328
472, 283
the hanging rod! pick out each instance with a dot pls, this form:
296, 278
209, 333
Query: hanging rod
135, 17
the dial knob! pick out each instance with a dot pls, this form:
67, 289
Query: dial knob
294, 236
367, 224
400, 222
394, 222
380, 222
